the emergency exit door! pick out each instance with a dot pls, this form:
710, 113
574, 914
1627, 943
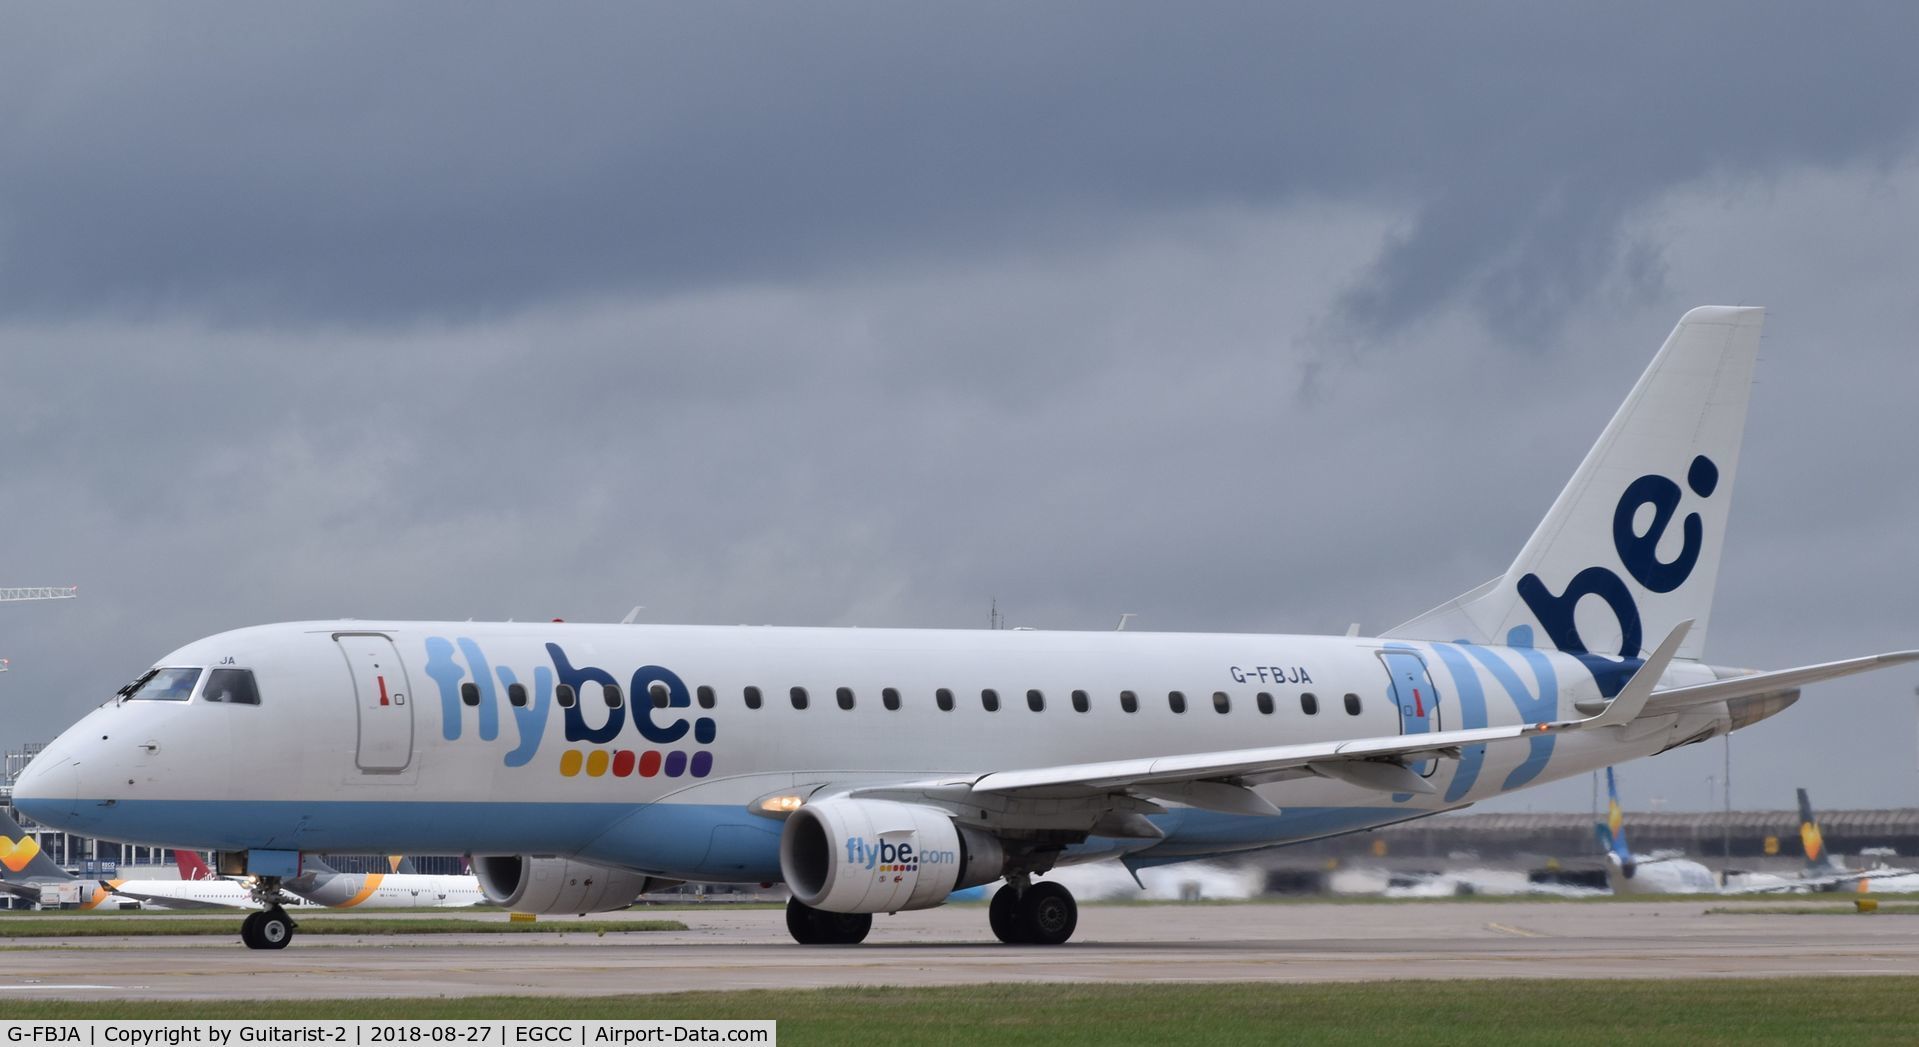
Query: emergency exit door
382, 702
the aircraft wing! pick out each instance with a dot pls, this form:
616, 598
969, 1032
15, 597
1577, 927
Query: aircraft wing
1822, 883
20, 890
169, 901
1215, 780
1674, 699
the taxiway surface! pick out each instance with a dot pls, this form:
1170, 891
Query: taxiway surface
747, 949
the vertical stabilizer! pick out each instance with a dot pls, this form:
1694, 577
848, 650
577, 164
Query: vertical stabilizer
191, 865
20, 857
1631, 546
1818, 861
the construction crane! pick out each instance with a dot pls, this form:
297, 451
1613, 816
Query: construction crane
44, 592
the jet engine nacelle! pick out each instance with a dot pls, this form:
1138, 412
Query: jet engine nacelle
523, 883
850, 856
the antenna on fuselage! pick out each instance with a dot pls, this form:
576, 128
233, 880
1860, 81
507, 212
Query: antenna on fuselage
633, 615
1125, 616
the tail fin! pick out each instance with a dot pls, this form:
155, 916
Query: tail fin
1616, 827
20, 855
1641, 523
401, 864
1818, 861
191, 866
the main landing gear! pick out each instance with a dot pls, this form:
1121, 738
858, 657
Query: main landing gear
1022, 913
810, 926
271, 928
1029, 913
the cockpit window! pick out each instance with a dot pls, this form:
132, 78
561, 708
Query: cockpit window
233, 686
165, 685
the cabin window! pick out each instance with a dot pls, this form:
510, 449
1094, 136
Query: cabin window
1081, 702
799, 697
661, 694
563, 696
890, 697
613, 695
944, 699
752, 696
1129, 701
1352, 705
845, 696
706, 696
1176, 700
1265, 702
990, 699
516, 695
470, 693
1309, 704
1035, 701
232, 686
1222, 702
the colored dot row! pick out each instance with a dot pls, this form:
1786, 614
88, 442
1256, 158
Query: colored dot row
624, 763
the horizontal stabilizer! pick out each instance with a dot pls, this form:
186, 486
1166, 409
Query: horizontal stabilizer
1766, 683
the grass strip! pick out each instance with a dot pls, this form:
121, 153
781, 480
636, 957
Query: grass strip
1852, 1011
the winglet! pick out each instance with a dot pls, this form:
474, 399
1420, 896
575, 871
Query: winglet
1633, 697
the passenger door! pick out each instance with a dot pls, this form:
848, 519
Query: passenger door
382, 702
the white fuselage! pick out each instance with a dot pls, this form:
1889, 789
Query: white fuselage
360, 746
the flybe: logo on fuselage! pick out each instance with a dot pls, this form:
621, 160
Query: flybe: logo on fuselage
468, 679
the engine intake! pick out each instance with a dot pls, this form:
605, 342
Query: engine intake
852, 856
549, 886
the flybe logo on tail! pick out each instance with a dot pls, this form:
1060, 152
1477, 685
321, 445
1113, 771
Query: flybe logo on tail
16, 855
1639, 554
671, 745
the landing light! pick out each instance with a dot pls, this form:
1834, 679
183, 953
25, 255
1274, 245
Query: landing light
779, 805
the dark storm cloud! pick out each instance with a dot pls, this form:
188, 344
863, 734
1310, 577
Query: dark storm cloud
362, 164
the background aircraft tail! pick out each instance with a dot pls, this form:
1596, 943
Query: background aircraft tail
191, 865
1818, 861
20, 856
1640, 526
1612, 832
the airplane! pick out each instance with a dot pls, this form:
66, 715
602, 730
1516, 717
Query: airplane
1628, 873
27, 873
1824, 871
879, 770
321, 884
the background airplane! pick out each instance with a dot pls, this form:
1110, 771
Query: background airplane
27, 873
1629, 873
321, 884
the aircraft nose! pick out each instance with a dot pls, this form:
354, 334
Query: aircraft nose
48, 790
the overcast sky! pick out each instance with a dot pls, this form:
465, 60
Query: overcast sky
1236, 317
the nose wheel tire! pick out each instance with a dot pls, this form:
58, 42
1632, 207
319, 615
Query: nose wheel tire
272, 929
810, 926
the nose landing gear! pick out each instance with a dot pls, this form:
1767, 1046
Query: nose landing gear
271, 928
